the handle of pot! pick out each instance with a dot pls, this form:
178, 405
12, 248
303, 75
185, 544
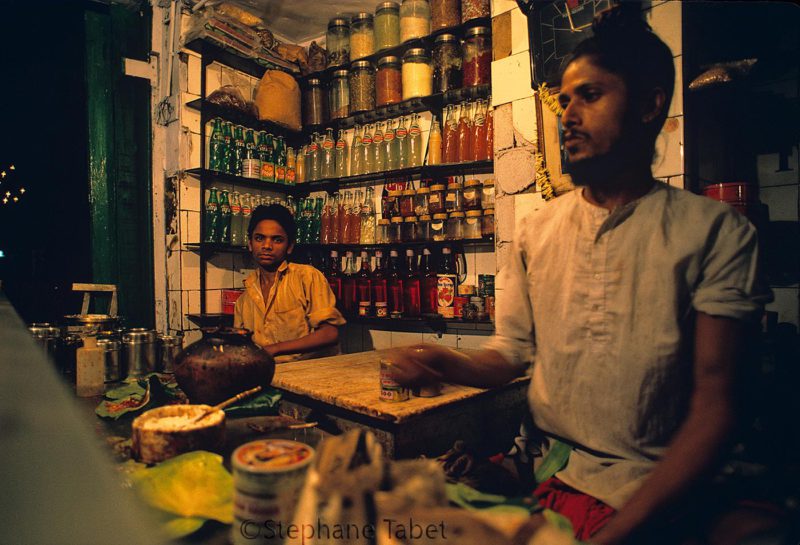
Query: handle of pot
461, 267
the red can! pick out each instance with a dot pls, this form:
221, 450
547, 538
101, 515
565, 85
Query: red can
458, 305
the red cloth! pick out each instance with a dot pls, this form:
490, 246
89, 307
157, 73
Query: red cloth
588, 515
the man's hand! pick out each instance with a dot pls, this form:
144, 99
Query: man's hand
422, 364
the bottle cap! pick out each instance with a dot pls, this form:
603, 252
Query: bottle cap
472, 182
397, 219
411, 219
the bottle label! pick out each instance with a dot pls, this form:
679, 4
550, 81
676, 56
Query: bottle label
251, 168
312, 148
378, 139
415, 131
340, 145
236, 209
291, 175
211, 206
281, 173
402, 133
246, 210
445, 294
388, 137
267, 171
366, 141
479, 119
327, 144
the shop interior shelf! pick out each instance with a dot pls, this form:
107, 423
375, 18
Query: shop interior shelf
211, 110
238, 181
212, 52
218, 247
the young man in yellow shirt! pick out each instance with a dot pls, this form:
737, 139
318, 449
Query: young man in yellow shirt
289, 307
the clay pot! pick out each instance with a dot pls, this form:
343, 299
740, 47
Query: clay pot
222, 364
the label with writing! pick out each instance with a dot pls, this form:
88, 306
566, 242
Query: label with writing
445, 294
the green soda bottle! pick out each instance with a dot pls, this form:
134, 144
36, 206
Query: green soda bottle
211, 216
227, 155
224, 218
251, 165
267, 166
279, 156
316, 221
238, 150
216, 148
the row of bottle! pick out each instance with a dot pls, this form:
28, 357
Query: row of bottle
227, 214
233, 150
396, 288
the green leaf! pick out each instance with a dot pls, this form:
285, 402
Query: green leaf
555, 460
558, 520
265, 403
474, 500
182, 526
148, 392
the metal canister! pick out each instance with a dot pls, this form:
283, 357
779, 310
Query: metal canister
391, 390
170, 346
113, 363
141, 351
47, 335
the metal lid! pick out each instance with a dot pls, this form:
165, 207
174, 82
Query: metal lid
488, 182
411, 219
314, 81
109, 344
388, 59
340, 73
478, 31
397, 219
415, 52
90, 319
171, 340
383, 221
338, 21
387, 5
437, 187
360, 64
474, 213
139, 335
472, 182
446, 38
395, 193
423, 190
454, 185
424, 217
440, 216
456, 214
361, 17
488, 212
409, 192
44, 330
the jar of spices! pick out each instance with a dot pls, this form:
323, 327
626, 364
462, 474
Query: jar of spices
362, 87
362, 36
407, 203
447, 57
389, 80
487, 196
395, 230
339, 95
337, 41
445, 14
472, 195
487, 226
473, 224
417, 73
424, 228
455, 226
387, 25
421, 197
436, 199
438, 232
314, 103
415, 19
391, 204
477, 57
453, 199
472, 9
409, 231
382, 232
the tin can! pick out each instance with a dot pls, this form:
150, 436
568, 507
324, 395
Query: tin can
391, 390
486, 285
364, 308
458, 305
381, 310
490, 307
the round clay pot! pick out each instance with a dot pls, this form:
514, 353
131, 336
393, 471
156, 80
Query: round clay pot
222, 364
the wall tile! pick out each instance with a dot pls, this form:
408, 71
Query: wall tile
190, 118
173, 270
175, 299
471, 342
194, 149
485, 263
405, 338
190, 271
192, 232
219, 271
503, 128
227, 76
768, 165
524, 118
511, 79
194, 75
676, 106
782, 202
502, 6
377, 339
519, 32
213, 301
503, 253
213, 78
666, 20
190, 198
669, 149
501, 36
447, 339
514, 169
504, 214
194, 302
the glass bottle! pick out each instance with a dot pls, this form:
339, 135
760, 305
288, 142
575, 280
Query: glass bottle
417, 73
346, 205
339, 95
412, 301
238, 150
279, 156
334, 276
395, 284
364, 280
428, 282
382, 231
435, 144
447, 284
251, 166
415, 151
211, 216
356, 159
216, 147
447, 58
362, 86
391, 162
314, 163
368, 218
379, 280
328, 155
314, 103
478, 133
450, 136
264, 149
477, 63
366, 150
354, 219
247, 209
291, 166
378, 156
325, 222
341, 155
316, 221
227, 156
337, 41
349, 288
224, 218
300, 165
300, 220
445, 14
401, 136
236, 219
389, 81
489, 132
387, 25
464, 139
473, 9
333, 228
319, 156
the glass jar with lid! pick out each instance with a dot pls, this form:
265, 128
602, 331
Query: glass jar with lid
455, 226
438, 224
409, 230
445, 14
407, 203
487, 196
473, 9
472, 194
382, 232
315, 103
424, 228
447, 57
391, 204
473, 224
362, 86
389, 81
362, 36
453, 199
339, 95
415, 19
477, 65
417, 73
436, 199
395, 230
487, 225
337, 41
387, 25
421, 197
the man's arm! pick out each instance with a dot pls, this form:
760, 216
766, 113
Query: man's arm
700, 440
324, 336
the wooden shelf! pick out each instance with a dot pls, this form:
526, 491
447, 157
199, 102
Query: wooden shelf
238, 181
249, 65
209, 110
218, 247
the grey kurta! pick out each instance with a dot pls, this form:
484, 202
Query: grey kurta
603, 304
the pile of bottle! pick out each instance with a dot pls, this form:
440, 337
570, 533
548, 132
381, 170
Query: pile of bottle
227, 215
468, 133
394, 289
233, 149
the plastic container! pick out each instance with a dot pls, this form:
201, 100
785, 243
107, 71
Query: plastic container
421, 198
362, 87
473, 224
315, 103
453, 200
409, 229
477, 65
362, 36
407, 203
436, 199
337, 42
389, 81
387, 25
438, 225
455, 226
472, 195
417, 73
445, 14
339, 95
382, 232
415, 19
447, 58
473, 9
487, 225
424, 228
487, 195
395, 230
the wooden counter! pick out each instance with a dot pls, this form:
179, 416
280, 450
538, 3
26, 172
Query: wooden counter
342, 392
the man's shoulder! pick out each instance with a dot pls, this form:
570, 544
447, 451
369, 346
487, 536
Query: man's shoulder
303, 271
550, 213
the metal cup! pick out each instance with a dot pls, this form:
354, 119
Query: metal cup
141, 351
171, 345
111, 347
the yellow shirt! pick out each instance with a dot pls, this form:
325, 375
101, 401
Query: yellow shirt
298, 302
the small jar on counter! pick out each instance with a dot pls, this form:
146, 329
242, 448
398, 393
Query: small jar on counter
455, 226
453, 200
473, 9
387, 25
389, 81
472, 194
445, 14
337, 41
438, 225
362, 36
339, 95
415, 19
487, 225
396, 230
391, 204
381, 309
417, 73
436, 199
447, 57
315, 104
407, 203
364, 308
409, 229
473, 224
362, 87
382, 232
421, 197
487, 195
477, 65
424, 228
